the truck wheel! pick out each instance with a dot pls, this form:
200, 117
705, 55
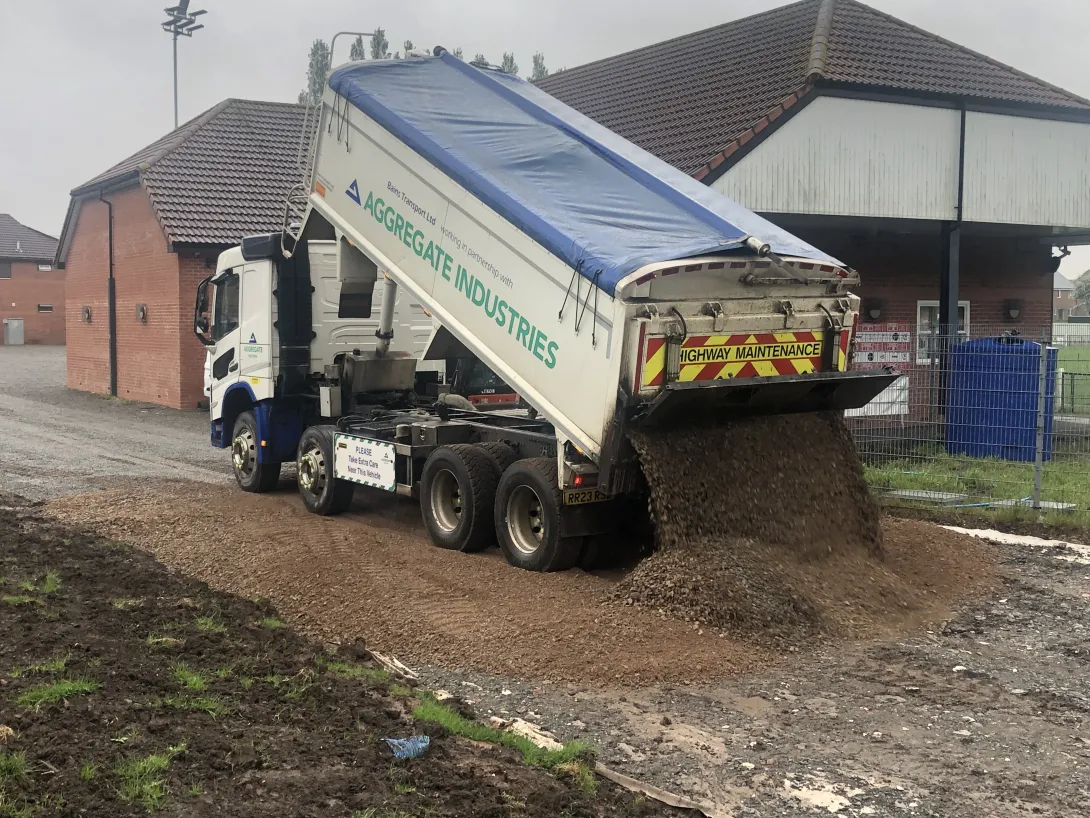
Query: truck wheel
251, 475
322, 493
457, 492
528, 507
501, 455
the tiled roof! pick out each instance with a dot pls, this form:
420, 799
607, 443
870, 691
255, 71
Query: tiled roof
696, 99
1061, 282
221, 176
19, 242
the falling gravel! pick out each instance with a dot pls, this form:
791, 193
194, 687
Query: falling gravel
765, 527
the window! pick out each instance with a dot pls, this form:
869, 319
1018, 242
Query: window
928, 327
45, 268
5, 269
226, 315
45, 308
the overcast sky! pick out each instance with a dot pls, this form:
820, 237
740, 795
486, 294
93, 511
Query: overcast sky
88, 83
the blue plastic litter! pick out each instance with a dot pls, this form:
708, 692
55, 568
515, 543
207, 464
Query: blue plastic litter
412, 747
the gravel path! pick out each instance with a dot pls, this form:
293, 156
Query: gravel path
57, 441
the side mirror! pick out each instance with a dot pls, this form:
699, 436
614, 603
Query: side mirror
202, 325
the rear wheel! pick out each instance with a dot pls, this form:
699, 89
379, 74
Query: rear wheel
457, 492
528, 509
501, 455
251, 475
322, 493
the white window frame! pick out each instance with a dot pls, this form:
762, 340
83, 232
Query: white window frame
45, 268
922, 358
45, 308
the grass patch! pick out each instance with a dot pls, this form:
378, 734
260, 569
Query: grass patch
347, 670
87, 772
127, 603
51, 583
401, 690
51, 667
188, 678
195, 790
271, 623
214, 706
156, 640
35, 697
293, 687
20, 600
13, 767
456, 723
210, 624
404, 789
142, 779
246, 682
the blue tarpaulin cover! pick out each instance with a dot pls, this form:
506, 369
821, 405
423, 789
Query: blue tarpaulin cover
592, 198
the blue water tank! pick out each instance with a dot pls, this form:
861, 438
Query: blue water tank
992, 399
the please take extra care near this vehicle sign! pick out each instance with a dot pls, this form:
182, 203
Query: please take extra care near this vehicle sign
364, 461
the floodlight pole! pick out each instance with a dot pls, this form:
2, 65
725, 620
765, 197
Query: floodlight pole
175, 79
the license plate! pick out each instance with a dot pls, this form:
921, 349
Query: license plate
578, 497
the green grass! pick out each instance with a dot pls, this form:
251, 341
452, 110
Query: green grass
127, 603
143, 779
87, 772
13, 767
347, 670
195, 790
246, 682
35, 697
210, 624
214, 706
404, 789
51, 667
271, 623
156, 640
1065, 478
51, 583
189, 679
19, 600
430, 710
293, 687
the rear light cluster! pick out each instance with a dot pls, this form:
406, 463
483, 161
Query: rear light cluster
808, 266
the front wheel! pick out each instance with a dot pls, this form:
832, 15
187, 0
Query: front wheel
250, 474
528, 509
322, 493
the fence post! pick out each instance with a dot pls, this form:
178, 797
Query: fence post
1039, 463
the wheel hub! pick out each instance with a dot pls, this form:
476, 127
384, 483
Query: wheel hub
525, 521
446, 500
244, 452
312, 474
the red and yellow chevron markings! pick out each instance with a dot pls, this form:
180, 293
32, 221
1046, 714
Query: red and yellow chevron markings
745, 355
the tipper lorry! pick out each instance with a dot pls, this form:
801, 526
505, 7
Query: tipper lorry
609, 290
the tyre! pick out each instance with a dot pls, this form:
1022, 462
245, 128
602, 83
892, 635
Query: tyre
251, 475
457, 493
528, 508
322, 493
501, 455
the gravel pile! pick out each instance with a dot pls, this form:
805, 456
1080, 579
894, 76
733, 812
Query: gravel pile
766, 527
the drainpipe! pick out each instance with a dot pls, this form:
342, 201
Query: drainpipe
111, 296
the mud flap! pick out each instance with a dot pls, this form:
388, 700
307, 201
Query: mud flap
780, 395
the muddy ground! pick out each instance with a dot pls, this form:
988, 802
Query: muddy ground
977, 709
125, 689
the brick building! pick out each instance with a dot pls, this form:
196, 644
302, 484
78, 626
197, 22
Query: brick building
943, 176
31, 287
154, 224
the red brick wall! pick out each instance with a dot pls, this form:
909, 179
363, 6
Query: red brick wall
86, 270
193, 271
155, 360
20, 296
901, 270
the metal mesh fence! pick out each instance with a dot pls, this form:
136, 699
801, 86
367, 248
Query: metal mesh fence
995, 419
